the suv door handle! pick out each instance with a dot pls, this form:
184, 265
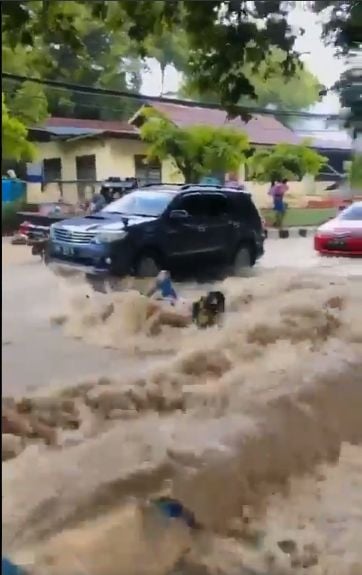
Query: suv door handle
201, 228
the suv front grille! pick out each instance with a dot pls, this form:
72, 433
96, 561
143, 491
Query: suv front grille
72, 236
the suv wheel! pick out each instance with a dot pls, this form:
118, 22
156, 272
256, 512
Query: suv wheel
242, 261
147, 267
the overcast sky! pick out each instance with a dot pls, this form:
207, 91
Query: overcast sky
321, 61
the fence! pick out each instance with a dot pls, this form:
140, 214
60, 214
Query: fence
299, 196
70, 191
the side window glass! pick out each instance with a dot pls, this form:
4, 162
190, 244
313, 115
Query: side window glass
192, 204
205, 205
215, 206
241, 207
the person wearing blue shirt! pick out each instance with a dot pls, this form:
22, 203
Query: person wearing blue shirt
163, 285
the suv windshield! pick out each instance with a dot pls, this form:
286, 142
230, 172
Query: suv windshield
141, 203
353, 212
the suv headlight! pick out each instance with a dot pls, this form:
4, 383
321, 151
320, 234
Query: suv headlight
52, 231
108, 237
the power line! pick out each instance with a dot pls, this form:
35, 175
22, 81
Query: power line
83, 105
83, 89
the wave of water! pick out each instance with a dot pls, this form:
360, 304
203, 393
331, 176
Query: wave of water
255, 427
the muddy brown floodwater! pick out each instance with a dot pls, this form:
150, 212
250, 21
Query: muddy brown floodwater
256, 426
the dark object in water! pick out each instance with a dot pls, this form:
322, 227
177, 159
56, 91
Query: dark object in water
175, 510
207, 311
39, 248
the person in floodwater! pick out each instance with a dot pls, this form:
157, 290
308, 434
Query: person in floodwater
165, 307
163, 286
278, 191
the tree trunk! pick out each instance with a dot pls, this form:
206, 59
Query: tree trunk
163, 72
189, 174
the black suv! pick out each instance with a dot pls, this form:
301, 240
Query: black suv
163, 227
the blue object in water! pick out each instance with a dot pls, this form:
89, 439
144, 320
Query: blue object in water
166, 288
8, 568
175, 510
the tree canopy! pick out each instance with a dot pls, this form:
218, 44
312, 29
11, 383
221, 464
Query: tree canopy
355, 174
299, 91
14, 137
197, 150
239, 51
285, 161
96, 56
234, 33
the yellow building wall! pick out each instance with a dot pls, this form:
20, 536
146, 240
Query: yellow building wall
123, 163
116, 157
68, 151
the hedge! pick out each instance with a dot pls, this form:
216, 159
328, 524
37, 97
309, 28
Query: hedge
9, 218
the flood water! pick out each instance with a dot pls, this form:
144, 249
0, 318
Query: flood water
256, 427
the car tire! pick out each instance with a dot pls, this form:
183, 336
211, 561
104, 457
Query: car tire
243, 261
147, 266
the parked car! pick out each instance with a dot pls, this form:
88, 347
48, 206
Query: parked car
341, 235
37, 223
162, 226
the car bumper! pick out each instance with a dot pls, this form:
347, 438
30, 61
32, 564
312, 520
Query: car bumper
346, 247
90, 259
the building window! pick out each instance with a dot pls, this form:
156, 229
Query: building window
147, 172
86, 174
52, 170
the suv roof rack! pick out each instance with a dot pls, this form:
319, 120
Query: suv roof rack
217, 187
161, 184
202, 186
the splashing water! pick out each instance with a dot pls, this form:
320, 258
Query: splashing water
255, 427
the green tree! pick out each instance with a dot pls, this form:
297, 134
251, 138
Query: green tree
222, 36
14, 137
107, 60
285, 161
295, 93
343, 26
197, 150
26, 101
355, 173
343, 29
232, 33
96, 56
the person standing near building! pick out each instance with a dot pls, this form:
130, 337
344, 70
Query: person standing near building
278, 191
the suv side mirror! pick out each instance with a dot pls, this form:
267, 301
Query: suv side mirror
179, 215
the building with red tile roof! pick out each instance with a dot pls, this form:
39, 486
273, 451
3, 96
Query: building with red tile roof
262, 130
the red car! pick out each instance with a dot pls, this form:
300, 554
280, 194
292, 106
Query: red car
341, 236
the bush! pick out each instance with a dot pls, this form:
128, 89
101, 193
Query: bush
9, 219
